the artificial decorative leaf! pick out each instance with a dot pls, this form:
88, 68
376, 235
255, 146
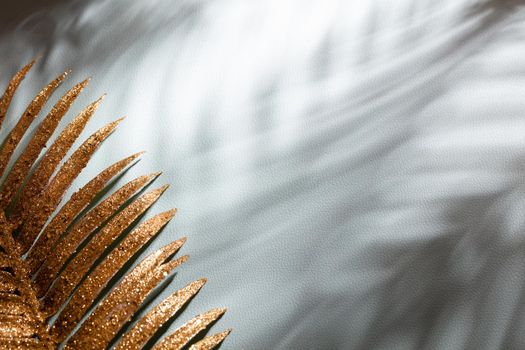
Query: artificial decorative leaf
37, 143
60, 265
78, 201
24, 122
84, 228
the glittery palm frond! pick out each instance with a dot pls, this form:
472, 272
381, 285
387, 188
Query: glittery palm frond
57, 271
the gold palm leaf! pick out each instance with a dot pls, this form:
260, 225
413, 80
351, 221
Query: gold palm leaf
56, 270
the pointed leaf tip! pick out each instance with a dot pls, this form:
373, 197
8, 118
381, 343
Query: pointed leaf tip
171, 213
148, 325
183, 335
98, 101
211, 342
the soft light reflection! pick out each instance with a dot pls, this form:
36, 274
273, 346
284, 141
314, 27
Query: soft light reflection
349, 174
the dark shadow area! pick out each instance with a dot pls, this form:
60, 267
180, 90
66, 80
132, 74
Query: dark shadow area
15, 12
496, 5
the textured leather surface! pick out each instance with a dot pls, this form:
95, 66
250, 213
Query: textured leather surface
349, 173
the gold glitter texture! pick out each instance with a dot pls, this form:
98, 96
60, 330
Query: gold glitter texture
78, 202
23, 164
19, 308
47, 166
48, 201
84, 228
27, 118
11, 88
146, 327
180, 338
211, 341
122, 302
79, 266
74, 256
98, 279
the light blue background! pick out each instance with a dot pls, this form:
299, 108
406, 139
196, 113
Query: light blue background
349, 173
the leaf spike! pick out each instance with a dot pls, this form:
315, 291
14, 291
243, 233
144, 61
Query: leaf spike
145, 328
78, 202
48, 201
49, 162
181, 337
210, 342
93, 285
19, 130
5, 101
118, 306
25, 161
83, 261
88, 224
